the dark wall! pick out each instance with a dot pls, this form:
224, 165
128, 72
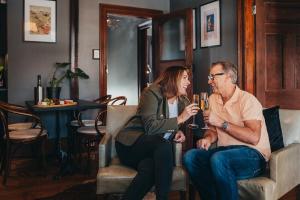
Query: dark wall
203, 57
28, 59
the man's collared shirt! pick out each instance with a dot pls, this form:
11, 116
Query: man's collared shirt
242, 106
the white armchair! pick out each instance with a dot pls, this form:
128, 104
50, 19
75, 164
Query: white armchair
284, 164
113, 177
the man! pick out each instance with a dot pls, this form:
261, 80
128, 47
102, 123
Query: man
238, 126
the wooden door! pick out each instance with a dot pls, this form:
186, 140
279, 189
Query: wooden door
105, 10
173, 45
278, 53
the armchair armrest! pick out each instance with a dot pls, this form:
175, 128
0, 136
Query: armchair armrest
105, 150
177, 154
284, 168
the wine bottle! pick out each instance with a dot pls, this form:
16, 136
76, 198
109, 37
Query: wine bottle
38, 91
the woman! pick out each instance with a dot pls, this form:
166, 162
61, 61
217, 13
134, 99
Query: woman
145, 143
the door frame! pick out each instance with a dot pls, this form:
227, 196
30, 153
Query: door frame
246, 45
160, 65
106, 9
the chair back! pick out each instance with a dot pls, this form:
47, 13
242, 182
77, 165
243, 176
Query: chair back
120, 100
3, 125
117, 116
19, 112
103, 100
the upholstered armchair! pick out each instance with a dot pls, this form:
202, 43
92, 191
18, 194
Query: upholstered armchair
113, 177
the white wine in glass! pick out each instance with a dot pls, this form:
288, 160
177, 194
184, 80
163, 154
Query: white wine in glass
204, 105
193, 125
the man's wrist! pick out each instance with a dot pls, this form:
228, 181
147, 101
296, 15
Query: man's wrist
225, 125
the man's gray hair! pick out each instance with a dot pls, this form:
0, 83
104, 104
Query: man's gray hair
228, 68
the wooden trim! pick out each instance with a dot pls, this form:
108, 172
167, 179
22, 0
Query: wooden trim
74, 13
261, 71
246, 45
240, 31
249, 47
105, 9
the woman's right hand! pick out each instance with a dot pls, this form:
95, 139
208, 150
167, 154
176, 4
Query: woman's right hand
188, 111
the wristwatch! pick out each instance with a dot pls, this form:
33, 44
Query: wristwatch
224, 125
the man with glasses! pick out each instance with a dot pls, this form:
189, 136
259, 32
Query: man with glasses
237, 125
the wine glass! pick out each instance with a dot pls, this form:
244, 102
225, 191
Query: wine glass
193, 125
204, 105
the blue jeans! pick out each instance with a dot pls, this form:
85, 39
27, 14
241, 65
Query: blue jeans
215, 172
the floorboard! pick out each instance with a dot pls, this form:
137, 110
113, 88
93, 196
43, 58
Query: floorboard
27, 182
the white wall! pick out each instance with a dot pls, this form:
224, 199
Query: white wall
89, 38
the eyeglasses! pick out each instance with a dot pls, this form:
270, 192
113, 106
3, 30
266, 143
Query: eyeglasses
211, 77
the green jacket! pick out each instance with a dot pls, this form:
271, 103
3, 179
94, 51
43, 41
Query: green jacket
152, 116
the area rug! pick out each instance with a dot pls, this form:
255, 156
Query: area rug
85, 191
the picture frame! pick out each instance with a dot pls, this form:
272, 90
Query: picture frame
39, 21
210, 24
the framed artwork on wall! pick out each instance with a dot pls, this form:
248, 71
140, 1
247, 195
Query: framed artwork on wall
210, 24
39, 21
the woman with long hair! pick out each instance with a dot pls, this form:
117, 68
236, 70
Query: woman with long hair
145, 142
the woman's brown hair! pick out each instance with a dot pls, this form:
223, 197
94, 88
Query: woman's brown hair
168, 80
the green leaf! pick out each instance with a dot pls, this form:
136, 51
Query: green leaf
62, 65
68, 73
81, 74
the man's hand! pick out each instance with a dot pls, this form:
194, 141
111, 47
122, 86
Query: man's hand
212, 119
179, 137
204, 143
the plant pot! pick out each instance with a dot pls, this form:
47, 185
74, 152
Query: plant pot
53, 92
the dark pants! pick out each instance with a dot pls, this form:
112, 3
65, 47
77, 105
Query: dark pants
215, 172
152, 157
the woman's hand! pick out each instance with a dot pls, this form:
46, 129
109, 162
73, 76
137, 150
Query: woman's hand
188, 111
179, 137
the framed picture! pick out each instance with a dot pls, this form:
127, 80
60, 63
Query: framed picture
210, 24
39, 21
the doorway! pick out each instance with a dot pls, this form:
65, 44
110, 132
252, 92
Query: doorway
160, 40
119, 65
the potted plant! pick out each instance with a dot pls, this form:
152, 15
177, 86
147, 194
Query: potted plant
54, 90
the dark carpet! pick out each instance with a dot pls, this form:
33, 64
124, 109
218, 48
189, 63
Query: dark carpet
86, 191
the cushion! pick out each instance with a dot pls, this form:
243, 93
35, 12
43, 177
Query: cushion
274, 128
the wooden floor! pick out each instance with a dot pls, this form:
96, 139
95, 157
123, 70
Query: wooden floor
26, 182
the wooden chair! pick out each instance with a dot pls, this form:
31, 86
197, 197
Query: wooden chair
19, 125
78, 122
32, 135
89, 136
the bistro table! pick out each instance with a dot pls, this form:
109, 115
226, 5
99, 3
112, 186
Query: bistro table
58, 111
